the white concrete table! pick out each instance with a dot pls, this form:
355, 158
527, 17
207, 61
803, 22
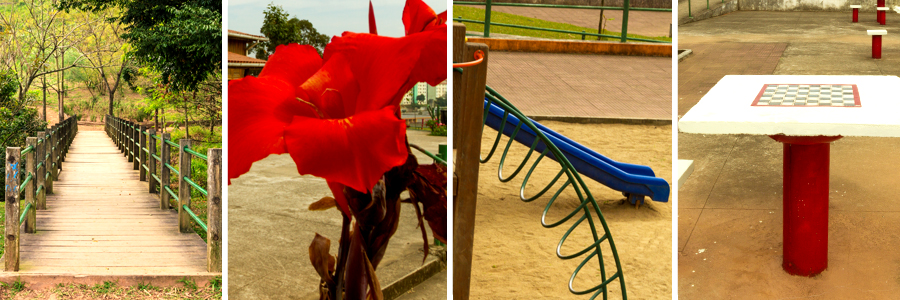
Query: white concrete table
798, 112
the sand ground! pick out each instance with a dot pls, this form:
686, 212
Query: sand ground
515, 257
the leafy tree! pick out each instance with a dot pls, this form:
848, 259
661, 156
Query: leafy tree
16, 121
182, 39
37, 33
282, 31
441, 101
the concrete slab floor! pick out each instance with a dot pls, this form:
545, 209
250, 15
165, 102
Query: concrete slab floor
270, 229
730, 210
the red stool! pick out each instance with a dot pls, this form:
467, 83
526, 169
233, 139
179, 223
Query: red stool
882, 15
855, 12
876, 41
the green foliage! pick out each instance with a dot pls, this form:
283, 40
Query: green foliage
188, 283
104, 288
179, 38
18, 286
282, 31
8, 86
146, 287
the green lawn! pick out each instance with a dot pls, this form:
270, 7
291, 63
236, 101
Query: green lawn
472, 13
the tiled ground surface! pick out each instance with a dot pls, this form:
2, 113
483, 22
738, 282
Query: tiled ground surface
646, 23
584, 85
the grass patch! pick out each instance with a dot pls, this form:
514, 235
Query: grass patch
110, 290
472, 13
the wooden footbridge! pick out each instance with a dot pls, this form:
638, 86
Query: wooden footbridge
101, 203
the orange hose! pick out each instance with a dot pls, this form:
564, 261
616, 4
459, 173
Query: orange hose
479, 57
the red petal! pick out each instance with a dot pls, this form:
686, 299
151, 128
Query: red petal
372, 28
355, 151
293, 64
258, 111
418, 17
333, 89
387, 67
337, 190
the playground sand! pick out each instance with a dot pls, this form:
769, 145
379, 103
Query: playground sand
515, 257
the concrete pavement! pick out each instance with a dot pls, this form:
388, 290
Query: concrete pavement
270, 229
730, 209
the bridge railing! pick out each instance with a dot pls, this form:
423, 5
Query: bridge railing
139, 144
30, 173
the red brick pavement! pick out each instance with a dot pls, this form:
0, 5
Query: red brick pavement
646, 23
583, 85
712, 61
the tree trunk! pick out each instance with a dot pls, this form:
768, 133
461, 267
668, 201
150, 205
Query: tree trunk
111, 105
44, 93
157, 120
602, 18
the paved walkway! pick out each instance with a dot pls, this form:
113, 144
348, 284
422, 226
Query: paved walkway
584, 85
730, 211
270, 229
101, 220
646, 23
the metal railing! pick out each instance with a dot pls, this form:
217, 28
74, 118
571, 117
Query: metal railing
139, 144
30, 173
623, 37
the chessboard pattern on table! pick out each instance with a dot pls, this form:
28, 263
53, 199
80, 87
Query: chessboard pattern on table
840, 95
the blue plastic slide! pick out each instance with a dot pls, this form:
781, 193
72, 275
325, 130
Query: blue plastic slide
634, 181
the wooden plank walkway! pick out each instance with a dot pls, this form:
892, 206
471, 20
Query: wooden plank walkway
101, 220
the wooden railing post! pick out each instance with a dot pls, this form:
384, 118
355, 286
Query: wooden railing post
11, 237
151, 162
48, 163
143, 156
468, 102
30, 187
214, 210
42, 171
184, 189
165, 172
135, 146
54, 154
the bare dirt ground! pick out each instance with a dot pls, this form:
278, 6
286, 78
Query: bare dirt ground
515, 257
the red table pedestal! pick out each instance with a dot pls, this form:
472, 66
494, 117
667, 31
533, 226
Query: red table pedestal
881, 17
876, 46
805, 196
855, 15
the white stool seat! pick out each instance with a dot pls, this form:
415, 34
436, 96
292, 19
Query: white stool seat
882, 8
876, 32
855, 6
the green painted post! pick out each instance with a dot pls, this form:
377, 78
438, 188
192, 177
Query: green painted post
625, 21
707, 4
689, 10
487, 19
442, 152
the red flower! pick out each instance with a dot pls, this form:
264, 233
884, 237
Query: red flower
338, 119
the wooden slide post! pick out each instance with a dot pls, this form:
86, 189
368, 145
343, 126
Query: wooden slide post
184, 189
151, 162
165, 172
469, 102
11, 237
39, 176
30, 187
214, 210
142, 171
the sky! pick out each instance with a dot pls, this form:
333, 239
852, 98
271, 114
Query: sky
329, 17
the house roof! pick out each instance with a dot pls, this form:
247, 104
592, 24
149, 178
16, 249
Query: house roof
245, 36
237, 60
